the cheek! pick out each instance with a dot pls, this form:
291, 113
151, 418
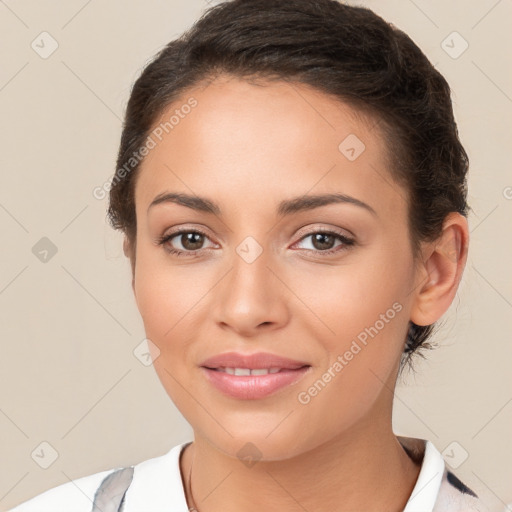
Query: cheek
166, 294
344, 300
360, 317
363, 356
168, 303
155, 300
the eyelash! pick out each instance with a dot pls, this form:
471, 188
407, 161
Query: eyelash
347, 242
164, 239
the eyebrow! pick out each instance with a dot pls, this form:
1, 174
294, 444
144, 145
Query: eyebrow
286, 207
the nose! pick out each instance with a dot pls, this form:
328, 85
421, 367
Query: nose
252, 296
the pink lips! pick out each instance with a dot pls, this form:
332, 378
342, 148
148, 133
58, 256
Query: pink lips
251, 387
252, 361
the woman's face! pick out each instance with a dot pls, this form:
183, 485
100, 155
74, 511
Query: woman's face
260, 277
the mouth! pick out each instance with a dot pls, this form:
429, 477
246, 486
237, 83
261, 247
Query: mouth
253, 383
244, 372
251, 361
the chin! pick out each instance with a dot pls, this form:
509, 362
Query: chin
261, 442
249, 449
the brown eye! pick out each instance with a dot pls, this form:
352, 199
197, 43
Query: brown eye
184, 242
191, 241
324, 242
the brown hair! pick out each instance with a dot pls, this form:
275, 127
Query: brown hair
345, 51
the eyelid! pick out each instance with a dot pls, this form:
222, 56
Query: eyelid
315, 228
180, 228
169, 235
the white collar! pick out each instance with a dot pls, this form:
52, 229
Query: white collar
426, 490
160, 479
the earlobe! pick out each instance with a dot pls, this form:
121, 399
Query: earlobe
128, 252
126, 247
441, 271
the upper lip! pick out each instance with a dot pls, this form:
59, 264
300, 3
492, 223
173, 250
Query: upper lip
252, 361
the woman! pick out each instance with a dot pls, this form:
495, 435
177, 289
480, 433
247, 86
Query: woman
292, 191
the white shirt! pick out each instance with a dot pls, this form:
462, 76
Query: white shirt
157, 486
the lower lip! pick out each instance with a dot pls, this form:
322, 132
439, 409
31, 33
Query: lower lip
253, 387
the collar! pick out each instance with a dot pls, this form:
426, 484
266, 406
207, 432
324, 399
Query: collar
160, 478
426, 490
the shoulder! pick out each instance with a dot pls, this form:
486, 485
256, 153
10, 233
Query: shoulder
155, 481
73, 496
437, 488
456, 496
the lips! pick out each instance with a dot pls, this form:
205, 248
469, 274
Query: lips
259, 360
247, 371
252, 376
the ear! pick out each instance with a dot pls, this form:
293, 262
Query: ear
129, 252
440, 271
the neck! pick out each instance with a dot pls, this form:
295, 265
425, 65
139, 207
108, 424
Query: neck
363, 469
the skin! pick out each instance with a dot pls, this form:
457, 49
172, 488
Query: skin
247, 147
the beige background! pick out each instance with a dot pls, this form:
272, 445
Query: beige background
69, 325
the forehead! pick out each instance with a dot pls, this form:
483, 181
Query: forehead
273, 139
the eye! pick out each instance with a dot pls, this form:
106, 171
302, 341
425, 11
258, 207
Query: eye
191, 241
323, 242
